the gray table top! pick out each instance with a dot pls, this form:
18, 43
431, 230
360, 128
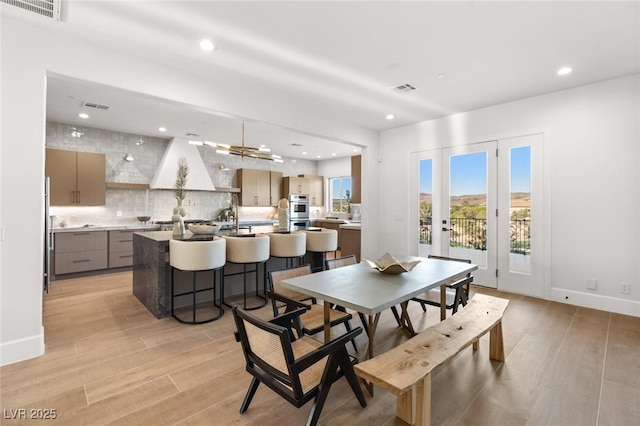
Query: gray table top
364, 289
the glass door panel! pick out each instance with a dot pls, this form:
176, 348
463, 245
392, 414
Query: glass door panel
468, 227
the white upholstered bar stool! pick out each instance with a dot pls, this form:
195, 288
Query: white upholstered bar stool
246, 251
194, 257
319, 243
291, 246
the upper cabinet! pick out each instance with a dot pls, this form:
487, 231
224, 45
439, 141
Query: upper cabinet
356, 182
256, 187
306, 184
76, 178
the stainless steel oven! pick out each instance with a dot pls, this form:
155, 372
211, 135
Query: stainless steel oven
299, 224
298, 206
298, 212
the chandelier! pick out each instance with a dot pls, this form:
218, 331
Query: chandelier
261, 153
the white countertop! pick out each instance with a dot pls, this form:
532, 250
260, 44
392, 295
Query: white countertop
91, 228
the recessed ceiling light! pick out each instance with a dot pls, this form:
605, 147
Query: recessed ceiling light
318, 156
206, 45
83, 115
390, 117
564, 71
441, 76
355, 150
304, 152
333, 154
162, 129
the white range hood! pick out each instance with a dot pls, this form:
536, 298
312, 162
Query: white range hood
165, 177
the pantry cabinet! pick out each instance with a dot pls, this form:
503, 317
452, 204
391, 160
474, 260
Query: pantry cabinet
76, 178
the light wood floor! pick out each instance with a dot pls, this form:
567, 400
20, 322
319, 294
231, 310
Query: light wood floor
109, 361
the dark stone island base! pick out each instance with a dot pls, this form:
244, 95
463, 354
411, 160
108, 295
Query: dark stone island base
152, 273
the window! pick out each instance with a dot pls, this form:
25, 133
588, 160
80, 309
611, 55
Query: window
340, 194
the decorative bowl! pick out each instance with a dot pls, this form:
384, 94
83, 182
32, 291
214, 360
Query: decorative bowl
143, 218
388, 264
198, 228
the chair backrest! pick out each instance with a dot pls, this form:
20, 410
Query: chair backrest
276, 277
197, 255
340, 261
268, 347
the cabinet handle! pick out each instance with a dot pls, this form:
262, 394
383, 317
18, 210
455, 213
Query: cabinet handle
125, 241
73, 197
84, 234
81, 261
128, 255
78, 197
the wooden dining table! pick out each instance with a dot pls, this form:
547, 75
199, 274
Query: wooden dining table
366, 290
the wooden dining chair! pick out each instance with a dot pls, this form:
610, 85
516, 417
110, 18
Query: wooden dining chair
457, 293
351, 260
296, 369
312, 321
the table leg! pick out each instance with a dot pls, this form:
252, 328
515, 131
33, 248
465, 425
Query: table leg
407, 325
443, 302
373, 324
327, 322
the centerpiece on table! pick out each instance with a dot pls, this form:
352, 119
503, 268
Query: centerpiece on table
388, 264
179, 212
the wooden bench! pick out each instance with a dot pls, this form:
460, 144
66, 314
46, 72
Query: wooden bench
406, 369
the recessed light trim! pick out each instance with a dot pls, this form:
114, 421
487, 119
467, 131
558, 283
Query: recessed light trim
565, 71
390, 116
206, 45
162, 129
83, 115
441, 76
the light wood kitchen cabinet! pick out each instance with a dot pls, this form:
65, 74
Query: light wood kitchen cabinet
311, 185
294, 185
120, 248
356, 181
76, 178
276, 188
257, 187
80, 251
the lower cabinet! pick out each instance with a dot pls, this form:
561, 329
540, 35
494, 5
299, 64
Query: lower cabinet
80, 251
120, 248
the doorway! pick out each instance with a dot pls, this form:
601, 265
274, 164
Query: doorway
484, 202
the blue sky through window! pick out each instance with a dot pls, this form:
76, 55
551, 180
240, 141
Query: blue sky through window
469, 172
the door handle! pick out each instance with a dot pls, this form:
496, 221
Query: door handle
446, 229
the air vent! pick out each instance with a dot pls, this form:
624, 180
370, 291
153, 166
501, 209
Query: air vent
46, 8
192, 135
404, 88
96, 106
296, 144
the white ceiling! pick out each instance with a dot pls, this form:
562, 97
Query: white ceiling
342, 58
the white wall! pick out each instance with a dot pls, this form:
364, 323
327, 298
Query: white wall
30, 52
591, 154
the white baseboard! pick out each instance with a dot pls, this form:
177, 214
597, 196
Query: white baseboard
22, 349
594, 301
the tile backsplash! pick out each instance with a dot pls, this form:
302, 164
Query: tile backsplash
123, 205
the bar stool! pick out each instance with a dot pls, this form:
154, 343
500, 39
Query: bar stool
290, 246
319, 243
246, 251
194, 257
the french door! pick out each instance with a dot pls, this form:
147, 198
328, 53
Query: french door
484, 202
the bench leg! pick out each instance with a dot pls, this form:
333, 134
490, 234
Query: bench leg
496, 345
414, 406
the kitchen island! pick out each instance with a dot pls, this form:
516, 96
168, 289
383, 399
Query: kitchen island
152, 271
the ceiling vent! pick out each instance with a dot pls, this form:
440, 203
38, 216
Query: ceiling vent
96, 106
47, 8
192, 135
296, 144
404, 88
